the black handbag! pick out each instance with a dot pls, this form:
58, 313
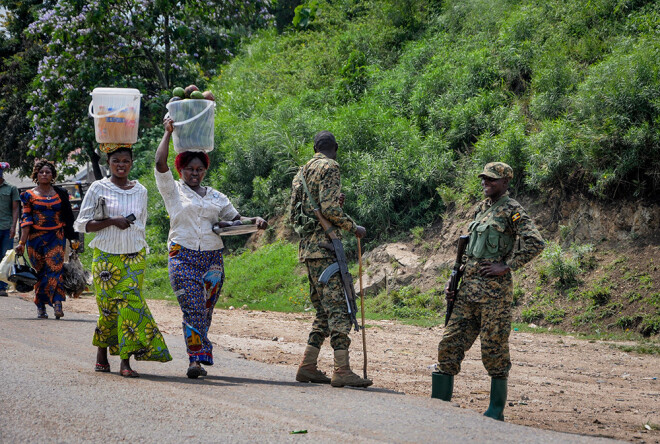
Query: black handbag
22, 273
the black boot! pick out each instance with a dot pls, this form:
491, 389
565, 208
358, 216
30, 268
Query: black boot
498, 388
442, 386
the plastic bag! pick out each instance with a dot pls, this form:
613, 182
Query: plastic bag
6, 265
75, 279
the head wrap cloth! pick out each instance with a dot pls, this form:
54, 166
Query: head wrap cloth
184, 158
109, 148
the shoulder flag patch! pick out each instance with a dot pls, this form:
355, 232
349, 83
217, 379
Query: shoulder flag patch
515, 217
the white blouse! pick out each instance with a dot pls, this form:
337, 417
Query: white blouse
120, 203
191, 215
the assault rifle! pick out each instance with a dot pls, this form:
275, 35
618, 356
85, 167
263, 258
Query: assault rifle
340, 266
456, 275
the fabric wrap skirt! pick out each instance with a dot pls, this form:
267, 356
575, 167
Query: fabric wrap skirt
45, 249
196, 278
125, 325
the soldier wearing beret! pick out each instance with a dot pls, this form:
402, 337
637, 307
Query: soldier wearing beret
502, 239
321, 178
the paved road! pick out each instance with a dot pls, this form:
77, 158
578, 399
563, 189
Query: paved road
50, 393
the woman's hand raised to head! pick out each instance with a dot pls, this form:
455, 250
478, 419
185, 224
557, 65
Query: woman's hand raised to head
164, 146
168, 124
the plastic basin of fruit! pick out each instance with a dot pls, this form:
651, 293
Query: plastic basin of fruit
193, 124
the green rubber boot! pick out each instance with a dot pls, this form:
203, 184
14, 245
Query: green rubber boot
442, 386
497, 399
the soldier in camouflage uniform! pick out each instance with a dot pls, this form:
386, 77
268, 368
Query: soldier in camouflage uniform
502, 238
321, 174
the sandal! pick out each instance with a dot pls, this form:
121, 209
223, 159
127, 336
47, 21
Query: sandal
41, 312
126, 373
57, 307
195, 371
103, 368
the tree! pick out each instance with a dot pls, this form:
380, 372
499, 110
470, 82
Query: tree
19, 60
144, 44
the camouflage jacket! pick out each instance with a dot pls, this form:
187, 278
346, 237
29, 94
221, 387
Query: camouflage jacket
511, 220
322, 177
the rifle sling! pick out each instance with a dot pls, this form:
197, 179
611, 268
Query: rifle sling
311, 199
493, 207
304, 184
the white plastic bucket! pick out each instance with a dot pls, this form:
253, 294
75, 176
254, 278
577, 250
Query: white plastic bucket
116, 113
193, 124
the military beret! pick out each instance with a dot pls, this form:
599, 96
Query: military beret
497, 170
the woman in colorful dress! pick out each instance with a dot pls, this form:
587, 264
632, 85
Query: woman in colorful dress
195, 253
46, 223
125, 324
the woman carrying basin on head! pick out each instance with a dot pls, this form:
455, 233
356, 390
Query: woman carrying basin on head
125, 324
195, 253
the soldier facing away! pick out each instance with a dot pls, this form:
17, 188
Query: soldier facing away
502, 238
321, 177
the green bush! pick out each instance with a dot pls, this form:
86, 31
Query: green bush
407, 303
650, 325
532, 314
555, 316
600, 295
585, 318
628, 322
559, 265
611, 309
518, 295
618, 118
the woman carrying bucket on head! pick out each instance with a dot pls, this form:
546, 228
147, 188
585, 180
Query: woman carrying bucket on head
196, 265
125, 324
115, 208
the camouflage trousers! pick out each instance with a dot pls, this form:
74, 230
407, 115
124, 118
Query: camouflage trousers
491, 321
332, 318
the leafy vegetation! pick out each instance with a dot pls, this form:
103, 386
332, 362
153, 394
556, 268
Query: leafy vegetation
408, 304
151, 46
266, 279
563, 267
421, 94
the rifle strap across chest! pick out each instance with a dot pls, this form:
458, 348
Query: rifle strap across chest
304, 184
492, 208
309, 196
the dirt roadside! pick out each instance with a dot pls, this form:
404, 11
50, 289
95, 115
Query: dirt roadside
557, 382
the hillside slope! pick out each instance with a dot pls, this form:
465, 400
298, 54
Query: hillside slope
420, 94
598, 274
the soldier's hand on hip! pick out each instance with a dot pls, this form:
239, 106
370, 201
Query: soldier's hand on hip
342, 197
492, 269
360, 232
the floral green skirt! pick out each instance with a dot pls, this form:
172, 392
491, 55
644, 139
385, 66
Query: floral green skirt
125, 326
